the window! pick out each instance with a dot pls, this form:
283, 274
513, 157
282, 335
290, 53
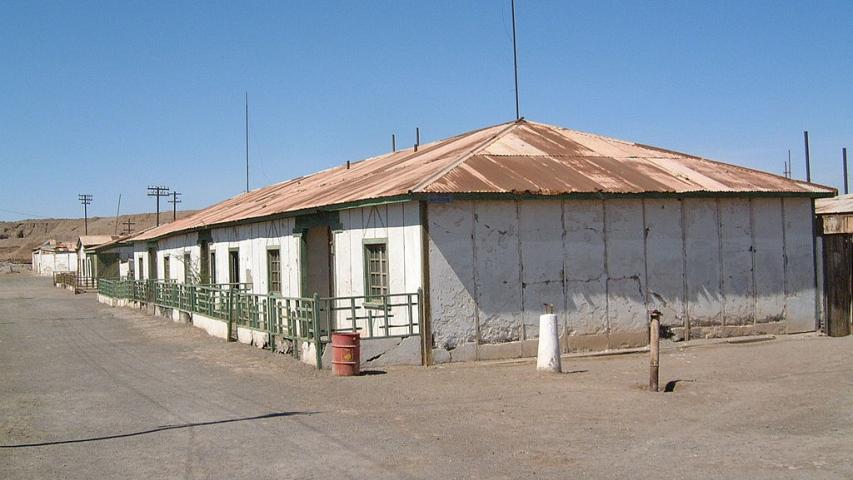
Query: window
212, 268
376, 271
165, 267
274, 271
188, 268
234, 266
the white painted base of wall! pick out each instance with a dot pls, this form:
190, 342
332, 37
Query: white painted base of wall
213, 327
252, 337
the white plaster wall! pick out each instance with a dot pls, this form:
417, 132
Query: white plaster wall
46, 263
451, 269
584, 259
253, 241
604, 264
736, 264
702, 251
768, 261
626, 311
665, 259
800, 291
397, 223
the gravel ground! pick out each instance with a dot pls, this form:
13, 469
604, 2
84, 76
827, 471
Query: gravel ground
88, 391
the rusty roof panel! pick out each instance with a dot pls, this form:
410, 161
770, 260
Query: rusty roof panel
515, 157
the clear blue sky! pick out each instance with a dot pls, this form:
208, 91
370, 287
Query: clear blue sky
109, 97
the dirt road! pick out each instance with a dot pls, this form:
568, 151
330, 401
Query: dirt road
88, 391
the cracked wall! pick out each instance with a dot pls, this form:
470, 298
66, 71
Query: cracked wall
708, 264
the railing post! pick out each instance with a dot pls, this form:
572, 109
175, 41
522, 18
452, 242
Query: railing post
316, 325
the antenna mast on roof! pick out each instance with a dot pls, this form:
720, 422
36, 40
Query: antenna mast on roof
515, 62
118, 209
247, 141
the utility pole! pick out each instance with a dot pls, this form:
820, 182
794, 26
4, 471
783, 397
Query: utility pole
174, 201
86, 200
158, 191
127, 226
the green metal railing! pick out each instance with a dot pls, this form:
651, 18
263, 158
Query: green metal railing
292, 319
72, 279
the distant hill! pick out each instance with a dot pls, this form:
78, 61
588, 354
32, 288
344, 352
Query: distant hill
18, 238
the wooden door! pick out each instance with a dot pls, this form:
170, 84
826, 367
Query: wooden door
838, 283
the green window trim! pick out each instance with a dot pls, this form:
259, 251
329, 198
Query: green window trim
376, 279
274, 270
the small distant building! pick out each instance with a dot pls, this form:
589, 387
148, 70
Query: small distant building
835, 228
87, 264
54, 257
494, 223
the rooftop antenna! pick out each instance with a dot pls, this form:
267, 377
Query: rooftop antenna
118, 208
787, 170
515, 62
158, 191
174, 201
417, 138
86, 200
247, 141
808, 164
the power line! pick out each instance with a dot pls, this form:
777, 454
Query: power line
158, 191
86, 200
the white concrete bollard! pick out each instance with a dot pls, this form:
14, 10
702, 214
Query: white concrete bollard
548, 359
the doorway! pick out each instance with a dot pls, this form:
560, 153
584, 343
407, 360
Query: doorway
316, 269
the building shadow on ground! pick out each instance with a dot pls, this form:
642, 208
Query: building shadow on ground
161, 428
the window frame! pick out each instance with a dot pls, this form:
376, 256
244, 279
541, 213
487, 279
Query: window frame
188, 261
274, 251
368, 244
212, 267
166, 268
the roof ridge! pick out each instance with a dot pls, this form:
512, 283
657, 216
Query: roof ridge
424, 183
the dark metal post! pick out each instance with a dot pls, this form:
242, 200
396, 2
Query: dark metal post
844, 156
808, 164
393, 142
654, 349
417, 138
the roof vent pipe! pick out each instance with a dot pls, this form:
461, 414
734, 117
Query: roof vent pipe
347, 164
417, 138
393, 142
844, 156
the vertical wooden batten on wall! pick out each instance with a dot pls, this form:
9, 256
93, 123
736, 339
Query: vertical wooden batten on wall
425, 321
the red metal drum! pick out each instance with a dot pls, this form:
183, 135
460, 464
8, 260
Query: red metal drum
346, 353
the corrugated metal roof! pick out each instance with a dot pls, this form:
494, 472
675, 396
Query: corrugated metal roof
520, 157
839, 204
90, 240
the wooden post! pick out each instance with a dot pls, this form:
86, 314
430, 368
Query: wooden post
654, 349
